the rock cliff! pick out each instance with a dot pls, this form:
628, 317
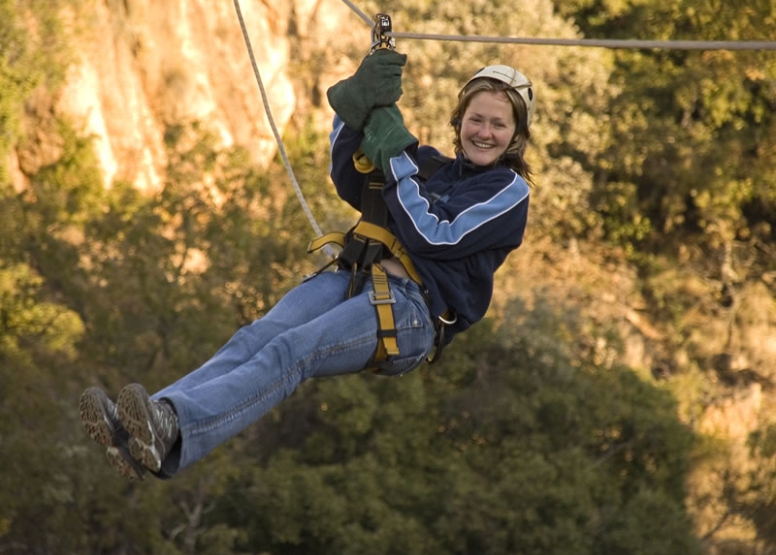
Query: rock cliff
141, 66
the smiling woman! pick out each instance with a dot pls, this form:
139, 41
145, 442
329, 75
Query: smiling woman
493, 116
416, 270
487, 128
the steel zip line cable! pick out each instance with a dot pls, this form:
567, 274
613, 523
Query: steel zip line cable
600, 43
603, 43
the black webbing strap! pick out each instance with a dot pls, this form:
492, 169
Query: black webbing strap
373, 208
360, 251
383, 300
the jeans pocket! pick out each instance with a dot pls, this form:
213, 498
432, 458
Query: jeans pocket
398, 365
415, 337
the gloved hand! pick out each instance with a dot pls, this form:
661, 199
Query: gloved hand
385, 136
377, 82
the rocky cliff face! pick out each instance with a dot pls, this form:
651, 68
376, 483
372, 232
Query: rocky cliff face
141, 66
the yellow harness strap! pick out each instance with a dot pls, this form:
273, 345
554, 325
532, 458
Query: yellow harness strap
387, 238
336, 237
383, 300
381, 297
376, 233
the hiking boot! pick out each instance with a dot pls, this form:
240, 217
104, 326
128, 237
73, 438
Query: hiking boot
153, 426
100, 418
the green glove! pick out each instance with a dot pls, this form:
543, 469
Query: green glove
377, 82
385, 136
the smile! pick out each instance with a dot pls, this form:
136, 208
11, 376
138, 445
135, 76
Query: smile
482, 145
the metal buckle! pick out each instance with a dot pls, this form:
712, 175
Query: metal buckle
390, 300
448, 322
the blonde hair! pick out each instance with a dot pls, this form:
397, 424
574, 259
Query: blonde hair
513, 157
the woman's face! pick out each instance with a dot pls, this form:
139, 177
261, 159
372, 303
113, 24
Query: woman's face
487, 127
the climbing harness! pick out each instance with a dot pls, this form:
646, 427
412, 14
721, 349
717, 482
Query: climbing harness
367, 246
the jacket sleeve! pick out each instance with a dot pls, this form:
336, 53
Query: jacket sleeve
344, 142
488, 211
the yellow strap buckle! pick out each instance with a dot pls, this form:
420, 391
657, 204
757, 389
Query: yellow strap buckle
382, 299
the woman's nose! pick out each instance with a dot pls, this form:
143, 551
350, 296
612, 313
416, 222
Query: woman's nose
485, 130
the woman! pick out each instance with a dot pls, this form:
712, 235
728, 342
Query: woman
456, 227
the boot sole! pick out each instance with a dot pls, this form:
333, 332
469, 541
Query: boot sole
121, 460
93, 409
135, 416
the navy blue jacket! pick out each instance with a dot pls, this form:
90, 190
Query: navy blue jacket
458, 227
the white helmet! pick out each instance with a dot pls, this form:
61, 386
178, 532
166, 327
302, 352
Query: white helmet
509, 75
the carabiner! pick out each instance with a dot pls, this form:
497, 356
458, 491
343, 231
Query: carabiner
380, 31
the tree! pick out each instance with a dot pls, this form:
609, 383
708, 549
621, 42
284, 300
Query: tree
110, 286
688, 155
513, 445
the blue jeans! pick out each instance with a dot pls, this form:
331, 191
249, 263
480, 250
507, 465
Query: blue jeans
312, 332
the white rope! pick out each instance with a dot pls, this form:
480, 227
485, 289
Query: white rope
362, 15
278, 139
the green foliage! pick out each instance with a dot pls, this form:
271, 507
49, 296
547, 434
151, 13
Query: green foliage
761, 507
37, 337
109, 286
509, 446
26, 321
211, 251
753, 495
16, 81
520, 441
690, 126
30, 56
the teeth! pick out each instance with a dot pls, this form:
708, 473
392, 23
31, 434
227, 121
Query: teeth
481, 145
